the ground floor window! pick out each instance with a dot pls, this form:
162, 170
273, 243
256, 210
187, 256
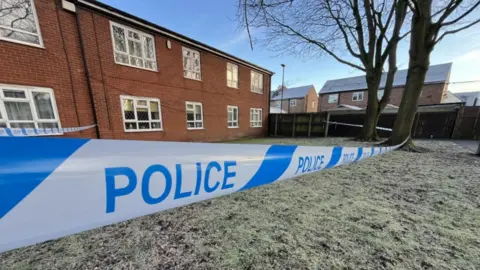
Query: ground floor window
255, 117
194, 115
27, 107
232, 112
141, 114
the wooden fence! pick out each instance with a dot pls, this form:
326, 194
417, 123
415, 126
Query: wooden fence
297, 124
468, 123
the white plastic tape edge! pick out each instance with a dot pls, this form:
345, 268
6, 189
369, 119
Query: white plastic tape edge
30, 132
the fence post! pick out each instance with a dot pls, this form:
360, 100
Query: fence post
478, 149
276, 124
327, 125
310, 125
293, 125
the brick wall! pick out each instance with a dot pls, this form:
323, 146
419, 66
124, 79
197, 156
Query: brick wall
431, 94
303, 104
312, 96
60, 66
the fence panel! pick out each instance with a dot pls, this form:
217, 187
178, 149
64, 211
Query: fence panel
297, 124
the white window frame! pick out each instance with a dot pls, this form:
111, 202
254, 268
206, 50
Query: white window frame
278, 104
256, 123
357, 96
379, 97
199, 62
194, 115
28, 99
313, 104
330, 98
234, 122
137, 121
294, 103
255, 88
234, 69
140, 33
39, 34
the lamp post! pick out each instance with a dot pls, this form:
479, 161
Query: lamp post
283, 85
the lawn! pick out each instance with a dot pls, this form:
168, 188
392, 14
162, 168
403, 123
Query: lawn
396, 211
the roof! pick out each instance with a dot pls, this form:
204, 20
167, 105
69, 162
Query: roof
297, 92
469, 98
436, 74
451, 98
345, 106
119, 14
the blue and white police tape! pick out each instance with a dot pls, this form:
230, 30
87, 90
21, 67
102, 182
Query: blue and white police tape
353, 125
53, 187
28, 132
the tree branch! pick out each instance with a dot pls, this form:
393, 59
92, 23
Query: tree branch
456, 30
462, 16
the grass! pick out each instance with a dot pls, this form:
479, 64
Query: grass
397, 211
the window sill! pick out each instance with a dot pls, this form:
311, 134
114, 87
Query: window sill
195, 128
256, 127
127, 65
198, 80
256, 92
39, 46
234, 127
232, 87
141, 130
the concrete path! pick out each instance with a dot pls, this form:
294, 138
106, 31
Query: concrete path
469, 144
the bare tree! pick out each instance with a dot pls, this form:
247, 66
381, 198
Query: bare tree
431, 22
359, 34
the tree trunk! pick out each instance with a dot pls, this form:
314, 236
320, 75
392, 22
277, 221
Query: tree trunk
478, 149
372, 112
420, 48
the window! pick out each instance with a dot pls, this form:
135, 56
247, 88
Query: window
293, 102
313, 104
333, 98
380, 94
255, 117
357, 96
232, 112
27, 107
232, 75
191, 64
278, 103
141, 114
133, 48
194, 115
256, 82
19, 22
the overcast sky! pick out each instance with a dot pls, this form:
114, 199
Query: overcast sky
212, 22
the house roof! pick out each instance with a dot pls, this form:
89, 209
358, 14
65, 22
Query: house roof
436, 74
451, 98
297, 92
119, 14
469, 98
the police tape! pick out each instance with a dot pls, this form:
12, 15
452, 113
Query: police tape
353, 125
53, 187
28, 132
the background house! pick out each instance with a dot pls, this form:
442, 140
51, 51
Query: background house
353, 90
294, 100
469, 98
77, 63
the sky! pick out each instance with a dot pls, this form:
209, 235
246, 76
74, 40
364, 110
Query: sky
213, 22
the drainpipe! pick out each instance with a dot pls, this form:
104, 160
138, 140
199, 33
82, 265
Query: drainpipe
87, 73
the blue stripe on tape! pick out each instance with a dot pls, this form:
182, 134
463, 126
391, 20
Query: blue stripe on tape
336, 154
19, 175
359, 154
276, 161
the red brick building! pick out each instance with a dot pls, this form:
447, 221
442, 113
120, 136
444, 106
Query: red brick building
294, 100
353, 91
76, 63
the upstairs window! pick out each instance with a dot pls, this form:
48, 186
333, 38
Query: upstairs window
133, 48
333, 98
278, 103
141, 114
256, 84
357, 96
27, 107
19, 22
293, 102
380, 94
191, 64
313, 104
232, 75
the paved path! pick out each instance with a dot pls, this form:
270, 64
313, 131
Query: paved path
469, 144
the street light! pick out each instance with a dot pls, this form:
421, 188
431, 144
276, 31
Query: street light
283, 85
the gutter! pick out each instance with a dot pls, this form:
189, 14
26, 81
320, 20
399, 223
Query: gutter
116, 13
